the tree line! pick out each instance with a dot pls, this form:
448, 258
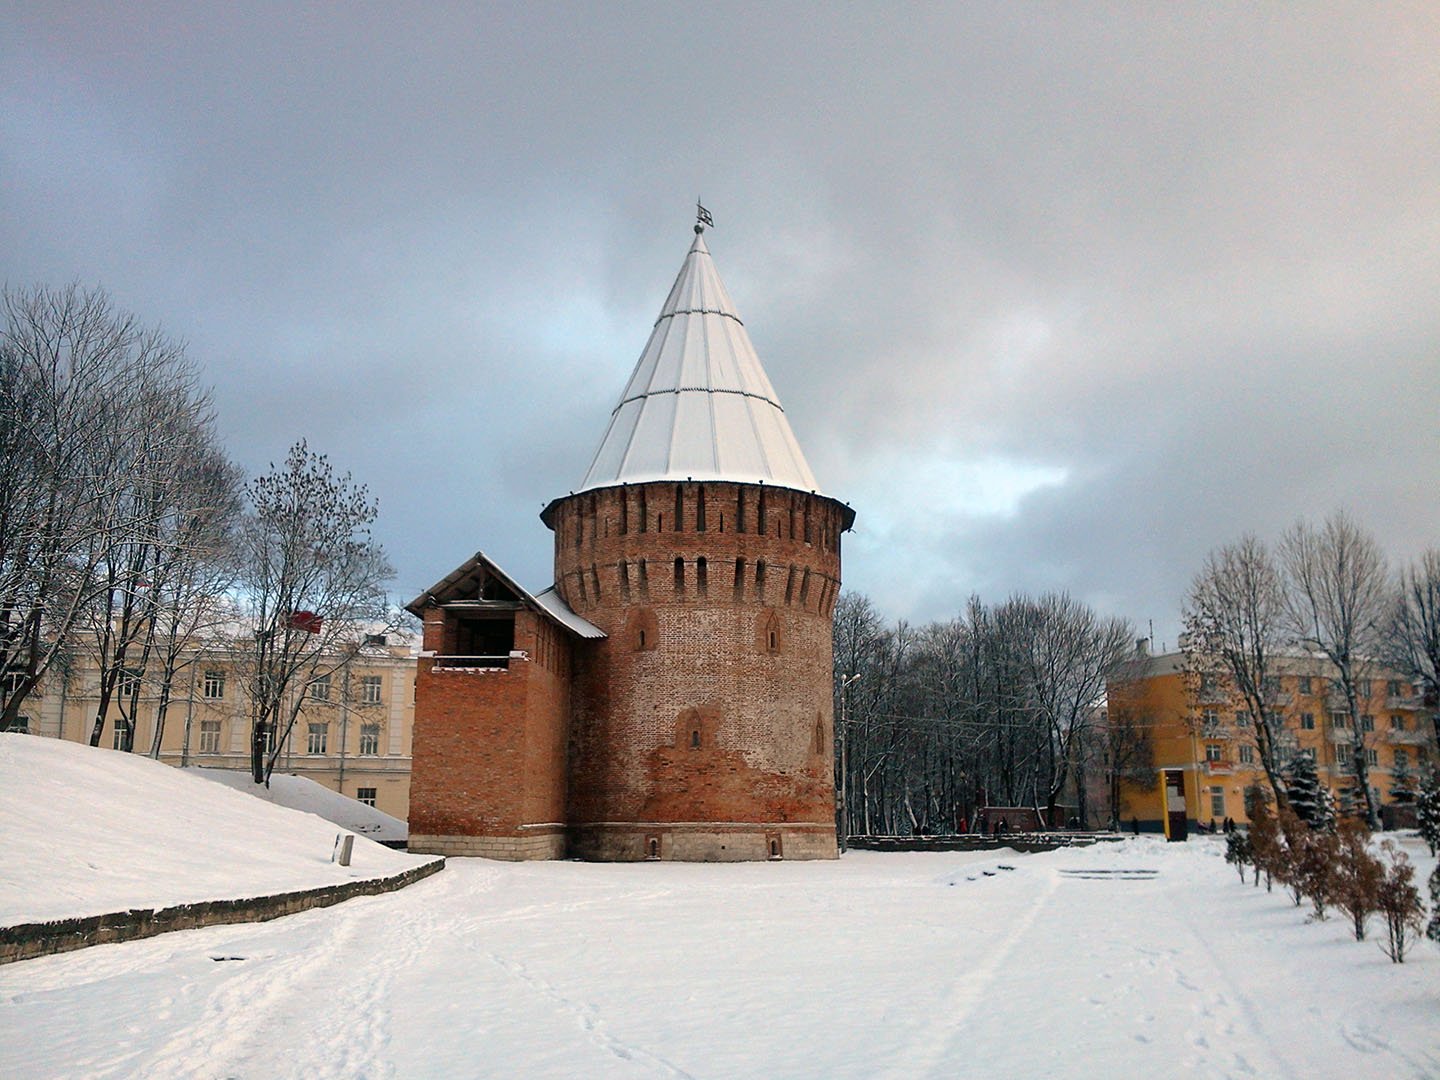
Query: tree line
1326, 591
995, 707
1004, 705
128, 535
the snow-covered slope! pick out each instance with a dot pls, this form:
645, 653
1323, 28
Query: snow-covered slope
302, 793
85, 831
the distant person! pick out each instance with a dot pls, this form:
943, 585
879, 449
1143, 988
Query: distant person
1135, 824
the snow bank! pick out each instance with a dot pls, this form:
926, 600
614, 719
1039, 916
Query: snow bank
88, 831
302, 793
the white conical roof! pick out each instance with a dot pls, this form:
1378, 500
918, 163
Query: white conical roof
699, 405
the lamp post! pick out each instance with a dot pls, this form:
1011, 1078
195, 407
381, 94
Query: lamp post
845, 681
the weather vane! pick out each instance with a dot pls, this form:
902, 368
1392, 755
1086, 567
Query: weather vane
702, 218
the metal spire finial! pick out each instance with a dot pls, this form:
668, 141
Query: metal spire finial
702, 218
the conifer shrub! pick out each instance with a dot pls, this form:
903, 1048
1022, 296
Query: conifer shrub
1238, 852
1356, 876
1398, 901
1432, 931
1427, 809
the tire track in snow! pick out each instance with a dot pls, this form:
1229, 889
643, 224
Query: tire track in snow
968, 991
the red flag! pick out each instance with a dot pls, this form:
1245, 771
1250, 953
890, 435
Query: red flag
307, 621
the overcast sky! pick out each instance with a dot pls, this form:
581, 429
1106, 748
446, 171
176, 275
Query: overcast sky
1056, 296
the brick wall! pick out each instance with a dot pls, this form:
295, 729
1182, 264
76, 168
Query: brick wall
710, 702
490, 744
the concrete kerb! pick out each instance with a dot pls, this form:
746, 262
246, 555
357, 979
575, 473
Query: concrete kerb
25, 941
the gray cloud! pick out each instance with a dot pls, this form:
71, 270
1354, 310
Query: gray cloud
1055, 297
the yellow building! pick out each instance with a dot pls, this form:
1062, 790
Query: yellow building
1202, 738
352, 734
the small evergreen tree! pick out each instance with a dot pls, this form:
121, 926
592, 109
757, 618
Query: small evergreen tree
1238, 852
1427, 807
1356, 875
1302, 786
1265, 840
1432, 931
1290, 855
1399, 902
1402, 783
1315, 863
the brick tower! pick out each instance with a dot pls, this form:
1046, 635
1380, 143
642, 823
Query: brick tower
701, 722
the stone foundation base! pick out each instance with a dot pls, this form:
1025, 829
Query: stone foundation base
512, 848
701, 841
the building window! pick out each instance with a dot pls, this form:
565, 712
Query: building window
20, 725
1247, 755
1217, 802
13, 680
370, 686
1242, 718
320, 690
1372, 757
369, 740
1367, 722
1303, 684
1342, 761
679, 574
1362, 687
117, 739
1395, 688
1339, 720
319, 739
214, 686
209, 736
1397, 722
365, 795
1212, 752
702, 575
1270, 685
1207, 682
1307, 721
127, 685
694, 738
1402, 760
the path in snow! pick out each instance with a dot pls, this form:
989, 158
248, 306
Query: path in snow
1121, 960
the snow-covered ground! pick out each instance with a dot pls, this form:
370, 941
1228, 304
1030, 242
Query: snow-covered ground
302, 793
85, 831
1129, 959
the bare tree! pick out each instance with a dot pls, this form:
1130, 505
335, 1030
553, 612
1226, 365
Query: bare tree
1413, 631
1069, 653
1234, 618
1127, 753
312, 581
1336, 600
85, 463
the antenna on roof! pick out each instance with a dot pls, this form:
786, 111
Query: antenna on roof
702, 218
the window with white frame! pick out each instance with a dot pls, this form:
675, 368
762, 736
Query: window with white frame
1367, 722
209, 736
1372, 757
1242, 718
1247, 755
1307, 721
117, 737
1339, 720
1397, 722
1217, 802
1212, 752
1303, 684
370, 689
13, 679
318, 740
1362, 687
320, 689
213, 687
369, 739
1210, 718
127, 684
1343, 765
20, 725
365, 795
1396, 688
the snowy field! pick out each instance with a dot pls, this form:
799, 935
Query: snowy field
85, 831
1121, 960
